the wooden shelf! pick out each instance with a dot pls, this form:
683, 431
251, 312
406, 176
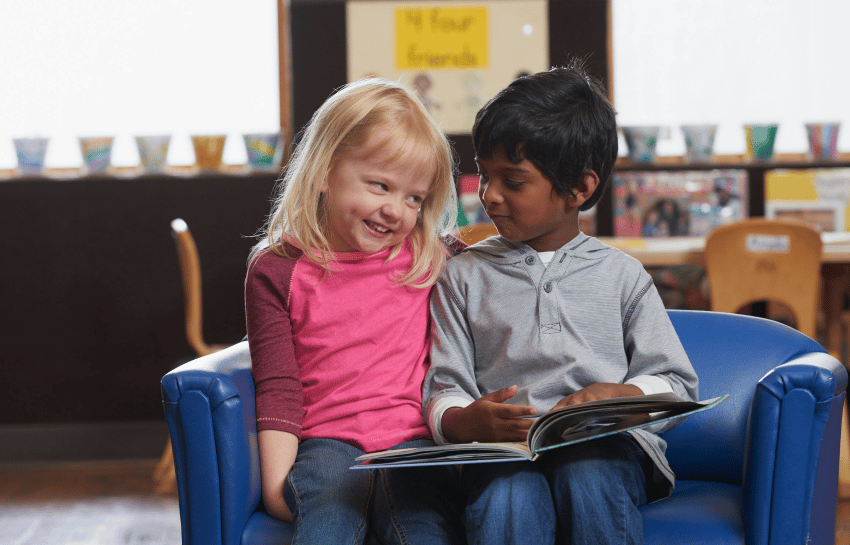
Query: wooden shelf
783, 160
133, 172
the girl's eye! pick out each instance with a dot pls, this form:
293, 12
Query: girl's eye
379, 185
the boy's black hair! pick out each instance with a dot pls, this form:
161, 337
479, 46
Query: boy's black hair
560, 120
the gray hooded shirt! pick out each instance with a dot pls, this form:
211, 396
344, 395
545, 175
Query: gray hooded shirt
502, 317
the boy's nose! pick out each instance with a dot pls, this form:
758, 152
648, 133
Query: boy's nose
488, 194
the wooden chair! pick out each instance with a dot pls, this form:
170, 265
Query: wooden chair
758, 260
190, 273
470, 234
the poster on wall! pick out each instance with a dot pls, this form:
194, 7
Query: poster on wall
684, 203
819, 197
455, 55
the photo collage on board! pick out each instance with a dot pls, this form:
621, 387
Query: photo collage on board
684, 203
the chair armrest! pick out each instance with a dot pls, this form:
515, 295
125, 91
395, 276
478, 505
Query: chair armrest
791, 456
209, 407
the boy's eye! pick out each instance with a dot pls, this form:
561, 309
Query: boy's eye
379, 185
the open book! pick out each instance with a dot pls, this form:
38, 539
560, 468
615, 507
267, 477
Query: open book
565, 426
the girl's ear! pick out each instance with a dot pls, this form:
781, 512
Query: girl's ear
587, 186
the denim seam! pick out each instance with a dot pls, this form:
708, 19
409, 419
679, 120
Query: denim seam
358, 538
397, 526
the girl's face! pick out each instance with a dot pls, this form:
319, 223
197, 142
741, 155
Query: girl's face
372, 204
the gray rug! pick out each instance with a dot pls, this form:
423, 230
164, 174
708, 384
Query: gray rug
99, 521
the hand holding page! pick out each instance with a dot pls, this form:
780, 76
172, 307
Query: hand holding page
564, 426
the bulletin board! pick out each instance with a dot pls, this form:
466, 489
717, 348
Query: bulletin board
454, 54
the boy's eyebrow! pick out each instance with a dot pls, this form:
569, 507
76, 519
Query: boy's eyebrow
514, 168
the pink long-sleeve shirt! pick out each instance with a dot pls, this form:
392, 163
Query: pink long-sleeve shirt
340, 355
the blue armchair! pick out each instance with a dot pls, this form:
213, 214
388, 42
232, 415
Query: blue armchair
761, 468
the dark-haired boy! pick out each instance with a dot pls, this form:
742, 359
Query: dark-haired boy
545, 316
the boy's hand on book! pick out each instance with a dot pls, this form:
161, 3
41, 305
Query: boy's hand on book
488, 419
600, 390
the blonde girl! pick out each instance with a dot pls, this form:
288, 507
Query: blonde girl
336, 300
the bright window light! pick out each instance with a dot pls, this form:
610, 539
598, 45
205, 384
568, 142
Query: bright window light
730, 62
76, 68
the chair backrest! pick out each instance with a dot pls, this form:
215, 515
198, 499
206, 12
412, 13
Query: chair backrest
765, 260
190, 272
470, 234
731, 353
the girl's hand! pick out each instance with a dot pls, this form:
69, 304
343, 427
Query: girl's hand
488, 419
600, 390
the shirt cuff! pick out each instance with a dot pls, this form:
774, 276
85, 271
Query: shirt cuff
650, 384
435, 417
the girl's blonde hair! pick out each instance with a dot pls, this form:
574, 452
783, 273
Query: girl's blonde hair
339, 129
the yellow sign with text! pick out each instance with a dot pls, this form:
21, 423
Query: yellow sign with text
441, 38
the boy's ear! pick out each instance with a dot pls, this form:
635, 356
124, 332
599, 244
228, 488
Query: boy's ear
587, 186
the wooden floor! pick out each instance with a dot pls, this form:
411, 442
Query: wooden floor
104, 503
110, 503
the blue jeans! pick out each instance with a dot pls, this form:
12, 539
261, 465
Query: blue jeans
331, 503
587, 493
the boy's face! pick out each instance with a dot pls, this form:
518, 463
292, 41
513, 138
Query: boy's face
523, 205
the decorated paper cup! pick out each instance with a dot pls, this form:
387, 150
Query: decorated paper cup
760, 141
209, 149
30, 152
699, 143
823, 140
262, 148
641, 142
153, 151
97, 153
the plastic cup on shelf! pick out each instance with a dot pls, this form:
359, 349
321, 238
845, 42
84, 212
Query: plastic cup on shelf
97, 153
209, 149
30, 152
823, 140
760, 141
262, 148
153, 151
699, 143
641, 142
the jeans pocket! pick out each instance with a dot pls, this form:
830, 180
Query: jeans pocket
290, 496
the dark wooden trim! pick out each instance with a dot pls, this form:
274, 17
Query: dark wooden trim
83, 441
285, 73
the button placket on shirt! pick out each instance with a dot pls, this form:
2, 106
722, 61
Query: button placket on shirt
548, 304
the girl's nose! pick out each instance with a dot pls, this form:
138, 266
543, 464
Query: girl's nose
392, 209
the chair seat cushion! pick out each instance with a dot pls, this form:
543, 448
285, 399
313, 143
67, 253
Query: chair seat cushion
262, 529
698, 513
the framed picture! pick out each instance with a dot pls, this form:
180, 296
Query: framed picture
827, 216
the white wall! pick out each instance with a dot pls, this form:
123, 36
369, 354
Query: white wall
71, 68
732, 62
